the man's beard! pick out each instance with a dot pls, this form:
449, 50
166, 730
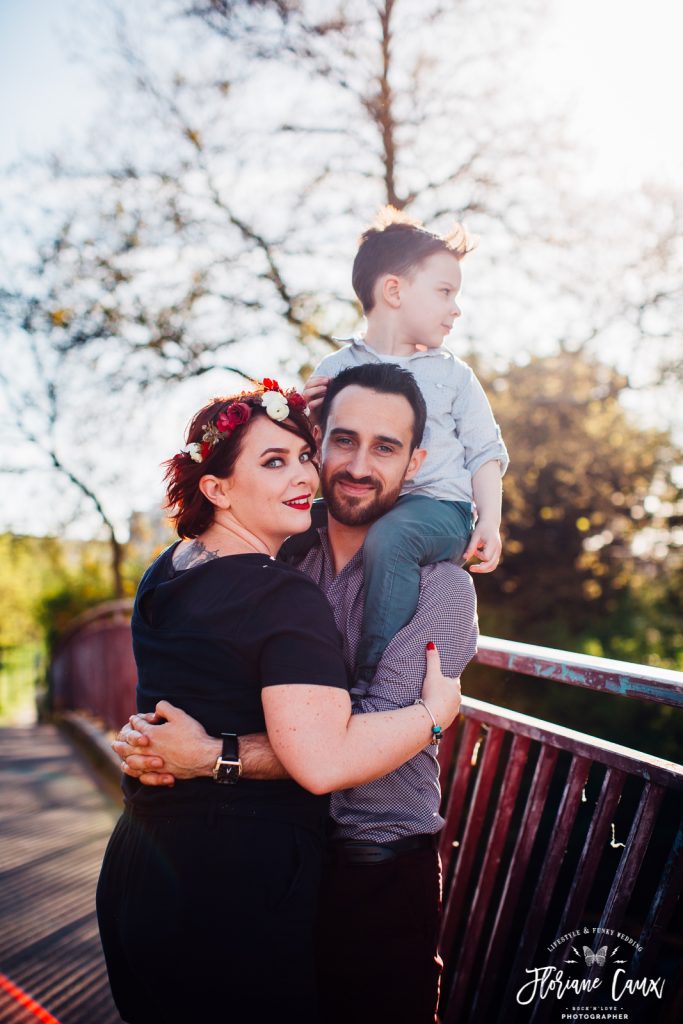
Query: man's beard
352, 510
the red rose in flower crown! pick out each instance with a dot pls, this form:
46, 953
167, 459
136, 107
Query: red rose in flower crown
270, 385
295, 400
234, 416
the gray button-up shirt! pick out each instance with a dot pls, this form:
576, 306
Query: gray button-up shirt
461, 434
405, 802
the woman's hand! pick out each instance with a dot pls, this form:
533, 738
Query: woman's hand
439, 692
157, 749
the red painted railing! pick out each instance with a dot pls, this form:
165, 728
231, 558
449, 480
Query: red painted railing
530, 854
93, 668
549, 833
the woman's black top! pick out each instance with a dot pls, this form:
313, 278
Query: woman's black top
207, 639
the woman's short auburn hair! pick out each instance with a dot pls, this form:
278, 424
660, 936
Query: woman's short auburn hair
189, 511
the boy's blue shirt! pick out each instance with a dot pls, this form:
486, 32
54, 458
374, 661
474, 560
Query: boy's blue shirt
461, 433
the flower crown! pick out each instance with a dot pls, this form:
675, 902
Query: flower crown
274, 400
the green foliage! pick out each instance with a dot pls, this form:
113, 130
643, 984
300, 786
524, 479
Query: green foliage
45, 582
72, 592
574, 516
574, 503
22, 675
27, 566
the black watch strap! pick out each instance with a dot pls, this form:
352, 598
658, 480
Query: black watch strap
230, 746
228, 767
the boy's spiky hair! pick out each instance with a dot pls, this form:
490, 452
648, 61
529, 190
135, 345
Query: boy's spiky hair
396, 243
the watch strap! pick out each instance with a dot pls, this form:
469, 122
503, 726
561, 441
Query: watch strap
231, 750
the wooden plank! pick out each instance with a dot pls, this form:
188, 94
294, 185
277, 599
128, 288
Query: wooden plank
662, 906
598, 831
545, 887
632, 857
628, 868
604, 675
519, 862
589, 860
55, 824
483, 893
456, 797
471, 835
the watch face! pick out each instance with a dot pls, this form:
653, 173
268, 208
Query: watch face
228, 771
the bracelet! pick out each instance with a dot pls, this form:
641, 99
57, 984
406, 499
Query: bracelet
437, 731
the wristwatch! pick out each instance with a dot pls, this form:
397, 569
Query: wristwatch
228, 766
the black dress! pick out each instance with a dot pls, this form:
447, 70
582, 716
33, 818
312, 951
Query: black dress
207, 895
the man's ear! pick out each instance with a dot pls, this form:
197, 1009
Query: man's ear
417, 457
318, 435
390, 290
216, 490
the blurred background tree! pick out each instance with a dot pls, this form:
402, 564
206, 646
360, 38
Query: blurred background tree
590, 510
205, 233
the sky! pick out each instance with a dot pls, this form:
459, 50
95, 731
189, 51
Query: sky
612, 65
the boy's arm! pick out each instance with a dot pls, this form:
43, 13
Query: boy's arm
474, 422
485, 542
486, 458
158, 752
316, 385
314, 393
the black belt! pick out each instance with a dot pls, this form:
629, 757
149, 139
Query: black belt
352, 851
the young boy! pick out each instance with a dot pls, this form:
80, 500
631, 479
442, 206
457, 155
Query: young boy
407, 280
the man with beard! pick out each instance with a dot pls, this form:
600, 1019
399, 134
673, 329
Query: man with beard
381, 897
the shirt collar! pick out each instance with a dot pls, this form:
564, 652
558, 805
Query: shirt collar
430, 352
353, 563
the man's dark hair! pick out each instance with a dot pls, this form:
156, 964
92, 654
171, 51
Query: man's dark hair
388, 379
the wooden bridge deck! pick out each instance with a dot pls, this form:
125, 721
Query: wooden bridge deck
54, 825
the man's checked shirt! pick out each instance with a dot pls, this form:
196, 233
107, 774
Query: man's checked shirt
405, 802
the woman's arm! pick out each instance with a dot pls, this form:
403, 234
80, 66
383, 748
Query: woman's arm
324, 747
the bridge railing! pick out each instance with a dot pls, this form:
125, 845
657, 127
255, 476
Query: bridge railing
92, 667
537, 877
556, 843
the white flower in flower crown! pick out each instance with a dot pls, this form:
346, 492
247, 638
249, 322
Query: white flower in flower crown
275, 405
194, 450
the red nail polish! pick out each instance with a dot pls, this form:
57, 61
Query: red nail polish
431, 646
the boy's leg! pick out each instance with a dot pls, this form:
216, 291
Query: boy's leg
299, 544
417, 531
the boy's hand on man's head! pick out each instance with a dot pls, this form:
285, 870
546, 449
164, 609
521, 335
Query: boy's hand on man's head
485, 544
314, 393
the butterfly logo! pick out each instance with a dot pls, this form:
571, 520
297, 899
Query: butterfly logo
599, 957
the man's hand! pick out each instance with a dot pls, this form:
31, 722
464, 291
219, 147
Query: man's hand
129, 745
485, 543
158, 754
314, 393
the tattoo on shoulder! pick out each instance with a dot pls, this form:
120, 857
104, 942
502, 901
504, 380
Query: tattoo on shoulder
193, 554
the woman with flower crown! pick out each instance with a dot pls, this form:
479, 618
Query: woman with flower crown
226, 869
